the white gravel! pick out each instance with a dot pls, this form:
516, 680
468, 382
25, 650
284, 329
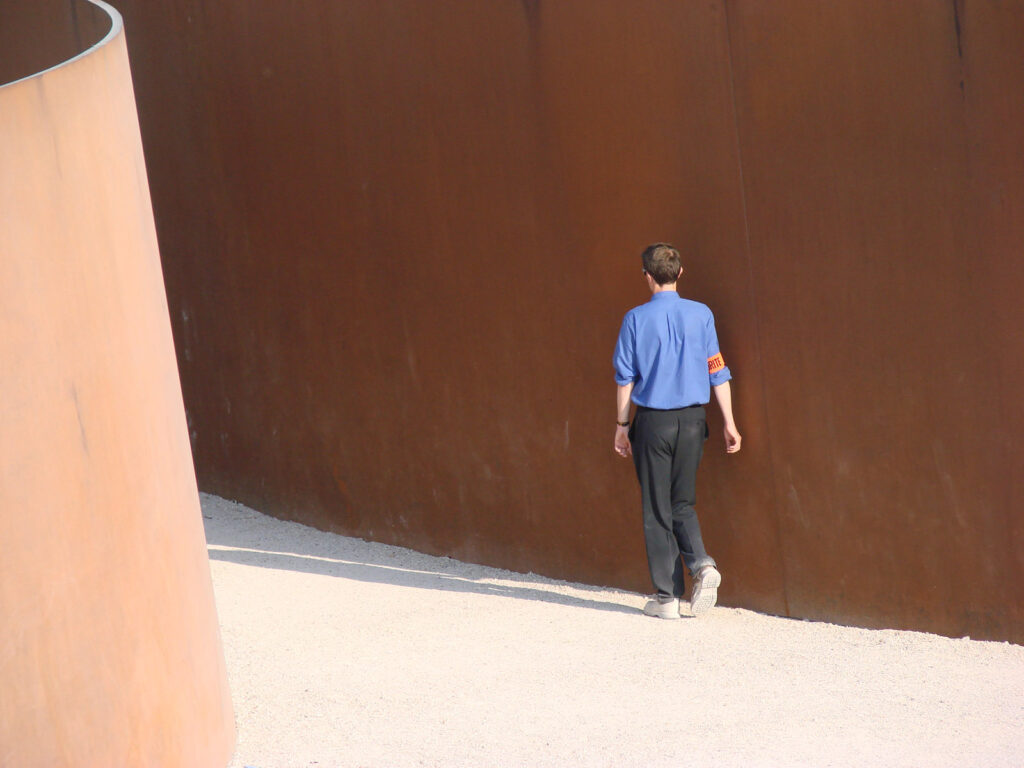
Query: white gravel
342, 652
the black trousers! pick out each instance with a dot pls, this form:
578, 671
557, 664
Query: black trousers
667, 447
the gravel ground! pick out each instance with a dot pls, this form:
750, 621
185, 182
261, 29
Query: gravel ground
342, 652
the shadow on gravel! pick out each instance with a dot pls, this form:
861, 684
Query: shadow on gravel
405, 577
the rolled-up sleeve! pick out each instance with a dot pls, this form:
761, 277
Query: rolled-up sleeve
718, 371
624, 358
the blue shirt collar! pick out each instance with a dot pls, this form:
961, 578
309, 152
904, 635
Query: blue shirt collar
664, 295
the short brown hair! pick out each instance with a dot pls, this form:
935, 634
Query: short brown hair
662, 262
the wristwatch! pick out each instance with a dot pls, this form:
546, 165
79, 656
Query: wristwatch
622, 423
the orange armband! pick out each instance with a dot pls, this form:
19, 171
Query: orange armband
716, 363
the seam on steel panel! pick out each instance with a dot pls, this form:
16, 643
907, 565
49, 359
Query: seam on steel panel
959, 43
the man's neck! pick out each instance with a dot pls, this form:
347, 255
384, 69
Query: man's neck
663, 288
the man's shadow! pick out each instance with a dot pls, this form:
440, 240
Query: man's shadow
357, 560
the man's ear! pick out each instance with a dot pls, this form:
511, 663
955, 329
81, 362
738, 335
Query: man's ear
680, 273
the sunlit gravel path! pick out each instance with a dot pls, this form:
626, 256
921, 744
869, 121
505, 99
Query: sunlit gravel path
342, 652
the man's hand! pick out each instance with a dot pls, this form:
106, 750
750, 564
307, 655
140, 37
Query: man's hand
622, 446
732, 439
723, 394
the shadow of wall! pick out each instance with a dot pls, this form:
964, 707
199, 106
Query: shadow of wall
399, 239
111, 651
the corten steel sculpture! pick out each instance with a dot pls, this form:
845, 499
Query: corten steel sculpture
109, 646
399, 239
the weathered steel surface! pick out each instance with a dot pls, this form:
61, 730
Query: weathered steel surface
430, 262
874, 327
111, 653
400, 237
992, 274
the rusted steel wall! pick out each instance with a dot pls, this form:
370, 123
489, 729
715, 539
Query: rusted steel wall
110, 652
889, 357
400, 237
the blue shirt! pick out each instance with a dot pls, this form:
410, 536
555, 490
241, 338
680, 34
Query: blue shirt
668, 348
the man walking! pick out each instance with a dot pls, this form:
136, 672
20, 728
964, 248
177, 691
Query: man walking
667, 361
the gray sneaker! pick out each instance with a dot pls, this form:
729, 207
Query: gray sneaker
669, 610
705, 590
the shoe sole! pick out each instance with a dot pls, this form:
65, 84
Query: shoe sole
708, 594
